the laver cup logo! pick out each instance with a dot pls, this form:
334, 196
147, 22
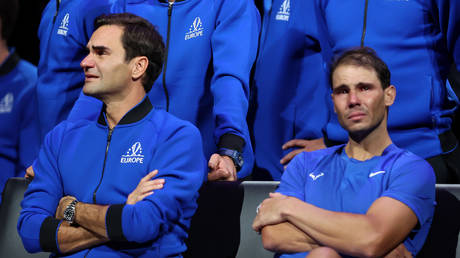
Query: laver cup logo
133, 155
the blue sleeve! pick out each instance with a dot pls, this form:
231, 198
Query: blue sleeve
29, 134
234, 47
313, 86
36, 224
293, 179
413, 183
448, 12
181, 163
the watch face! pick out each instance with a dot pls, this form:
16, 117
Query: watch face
68, 214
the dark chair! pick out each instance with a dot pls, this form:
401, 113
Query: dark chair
215, 227
10, 242
442, 240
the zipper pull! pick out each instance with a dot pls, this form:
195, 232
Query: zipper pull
170, 8
109, 136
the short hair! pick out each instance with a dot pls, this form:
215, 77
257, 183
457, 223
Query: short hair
139, 38
8, 16
363, 57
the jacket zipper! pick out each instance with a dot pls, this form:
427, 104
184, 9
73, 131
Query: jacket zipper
364, 23
58, 2
109, 137
170, 7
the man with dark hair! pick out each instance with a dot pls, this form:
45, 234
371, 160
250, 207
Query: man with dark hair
210, 49
83, 199
19, 139
365, 198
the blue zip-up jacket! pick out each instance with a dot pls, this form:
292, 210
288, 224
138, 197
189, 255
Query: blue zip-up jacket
97, 165
19, 137
210, 48
418, 40
64, 31
289, 95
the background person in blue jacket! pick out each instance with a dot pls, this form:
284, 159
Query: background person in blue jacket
19, 137
210, 48
83, 200
365, 198
289, 101
65, 28
419, 40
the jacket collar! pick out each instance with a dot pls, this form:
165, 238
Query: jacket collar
135, 114
10, 63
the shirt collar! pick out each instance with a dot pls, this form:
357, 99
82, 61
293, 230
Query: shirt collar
10, 63
135, 114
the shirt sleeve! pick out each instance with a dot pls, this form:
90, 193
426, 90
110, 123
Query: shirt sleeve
293, 179
413, 183
234, 47
29, 134
36, 224
181, 163
313, 84
448, 13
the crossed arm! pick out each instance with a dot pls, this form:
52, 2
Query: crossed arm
91, 229
290, 225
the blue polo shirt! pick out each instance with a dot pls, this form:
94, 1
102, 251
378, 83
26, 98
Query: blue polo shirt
330, 180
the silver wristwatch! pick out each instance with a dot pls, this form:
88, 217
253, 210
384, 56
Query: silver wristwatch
69, 212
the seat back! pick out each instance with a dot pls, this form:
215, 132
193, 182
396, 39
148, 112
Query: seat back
251, 242
10, 241
443, 238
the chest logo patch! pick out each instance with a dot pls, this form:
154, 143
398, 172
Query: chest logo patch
64, 26
376, 173
6, 103
195, 30
284, 12
314, 177
133, 155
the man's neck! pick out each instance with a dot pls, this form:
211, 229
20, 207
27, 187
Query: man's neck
4, 52
117, 108
372, 145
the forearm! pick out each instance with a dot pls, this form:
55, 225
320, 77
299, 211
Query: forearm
71, 239
372, 234
344, 234
286, 238
92, 217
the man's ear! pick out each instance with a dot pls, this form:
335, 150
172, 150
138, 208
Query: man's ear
390, 95
140, 64
333, 104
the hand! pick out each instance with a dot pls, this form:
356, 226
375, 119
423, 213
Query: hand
63, 203
30, 174
222, 168
301, 145
399, 252
269, 212
145, 187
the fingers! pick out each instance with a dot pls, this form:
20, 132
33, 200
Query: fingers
149, 176
30, 174
275, 195
294, 143
219, 174
214, 161
288, 157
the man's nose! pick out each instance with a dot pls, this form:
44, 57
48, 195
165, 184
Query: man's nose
86, 62
353, 98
